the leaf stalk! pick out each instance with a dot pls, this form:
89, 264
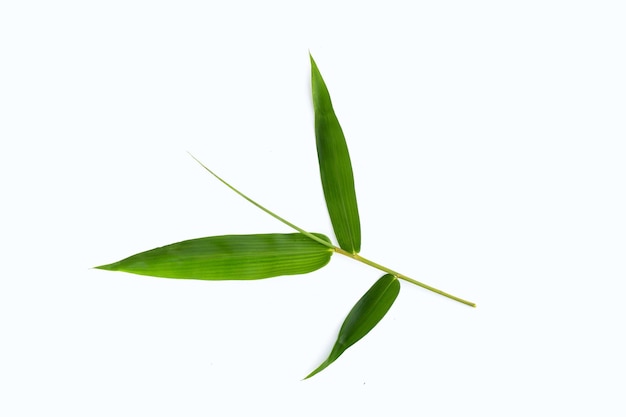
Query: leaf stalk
354, 256
403, 277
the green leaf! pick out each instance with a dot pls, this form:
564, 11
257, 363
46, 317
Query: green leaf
335, 167
366, 314
237, 257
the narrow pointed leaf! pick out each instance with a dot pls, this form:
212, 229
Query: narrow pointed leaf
335, 167
230, 257
363, 317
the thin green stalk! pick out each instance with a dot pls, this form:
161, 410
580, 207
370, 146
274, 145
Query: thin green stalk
402, 276
274, 215
335, 248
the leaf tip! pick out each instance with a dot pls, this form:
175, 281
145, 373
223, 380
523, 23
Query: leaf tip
318, 369
107, 267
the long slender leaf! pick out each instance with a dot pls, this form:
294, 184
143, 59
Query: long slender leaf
230, 257
366, 314
335, 167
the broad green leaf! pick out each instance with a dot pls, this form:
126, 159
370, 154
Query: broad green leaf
236, 257
335, 167
366, 314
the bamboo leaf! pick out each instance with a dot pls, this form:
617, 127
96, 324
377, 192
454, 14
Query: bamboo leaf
363, 317
230, 257
335, 167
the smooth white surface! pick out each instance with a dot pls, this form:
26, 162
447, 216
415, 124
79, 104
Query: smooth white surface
488, 144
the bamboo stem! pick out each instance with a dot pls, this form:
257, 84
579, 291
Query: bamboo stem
402, 276
329, 245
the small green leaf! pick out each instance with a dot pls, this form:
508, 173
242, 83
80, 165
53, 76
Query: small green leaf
366, 314
335, 167
236, 257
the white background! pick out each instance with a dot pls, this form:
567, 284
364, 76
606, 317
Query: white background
488, 144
